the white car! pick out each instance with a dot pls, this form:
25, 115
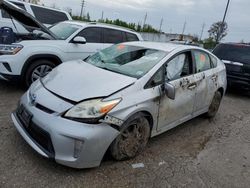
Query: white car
35, 54
45, 15
117, 99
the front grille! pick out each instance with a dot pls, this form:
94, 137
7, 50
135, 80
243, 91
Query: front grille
39, 136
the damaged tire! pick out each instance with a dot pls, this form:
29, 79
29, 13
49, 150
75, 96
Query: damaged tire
214, 107
133, 138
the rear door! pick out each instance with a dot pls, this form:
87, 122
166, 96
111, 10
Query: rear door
206, 79
93, 36
179, 73
112, 36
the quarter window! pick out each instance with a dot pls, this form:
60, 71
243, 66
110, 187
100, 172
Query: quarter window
214, 61
113, 36
131, 37
202, 60
48, 16
92, 34
179, 67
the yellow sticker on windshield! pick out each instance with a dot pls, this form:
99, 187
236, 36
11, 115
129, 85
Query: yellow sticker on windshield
202, 58
120, 47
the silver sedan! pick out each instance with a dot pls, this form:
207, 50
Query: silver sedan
117, 99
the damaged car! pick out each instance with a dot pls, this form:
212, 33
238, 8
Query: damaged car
117, 99
25, 57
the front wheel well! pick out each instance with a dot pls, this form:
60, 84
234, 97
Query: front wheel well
53, 58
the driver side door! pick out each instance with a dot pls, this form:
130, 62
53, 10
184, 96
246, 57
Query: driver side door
93, 36
179, 73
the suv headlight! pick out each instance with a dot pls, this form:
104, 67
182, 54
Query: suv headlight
10, 49
92, 110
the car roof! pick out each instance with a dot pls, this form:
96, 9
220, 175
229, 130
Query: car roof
84, 24
167, 47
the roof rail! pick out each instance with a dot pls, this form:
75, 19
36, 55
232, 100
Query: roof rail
117, 26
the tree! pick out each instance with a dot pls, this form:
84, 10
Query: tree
34, 1
218, 31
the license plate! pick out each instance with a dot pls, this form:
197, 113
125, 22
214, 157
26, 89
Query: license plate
24, 115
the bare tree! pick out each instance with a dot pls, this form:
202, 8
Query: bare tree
218, 31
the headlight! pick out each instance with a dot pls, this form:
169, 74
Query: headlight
92, 109
10, 49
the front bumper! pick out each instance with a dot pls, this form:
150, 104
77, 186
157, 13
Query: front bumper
63, 135
236, 81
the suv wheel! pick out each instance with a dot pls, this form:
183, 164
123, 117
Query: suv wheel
36, 70
132, 139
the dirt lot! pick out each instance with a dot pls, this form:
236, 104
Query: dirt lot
200, 153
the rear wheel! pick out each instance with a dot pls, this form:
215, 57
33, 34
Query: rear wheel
132, 140
214, 107
36, 70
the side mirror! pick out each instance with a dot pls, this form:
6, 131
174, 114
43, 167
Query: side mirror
79, 40
170, 91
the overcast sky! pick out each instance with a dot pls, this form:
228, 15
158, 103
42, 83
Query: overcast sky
174, 13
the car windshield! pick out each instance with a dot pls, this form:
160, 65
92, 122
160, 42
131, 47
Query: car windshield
236, 53
128, 60
64, 30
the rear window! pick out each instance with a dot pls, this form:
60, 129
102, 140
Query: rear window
235, 53
48, 16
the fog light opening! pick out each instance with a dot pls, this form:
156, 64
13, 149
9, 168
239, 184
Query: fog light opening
78, 148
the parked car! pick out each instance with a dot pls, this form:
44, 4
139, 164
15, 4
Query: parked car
45, 15
117, 99
34, 54
237, 60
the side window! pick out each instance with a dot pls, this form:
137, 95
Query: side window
112, 36
156, 80
214, 61
179, 67
92, 34
20, 5
48, 16
6, 15
202, 60
131, 37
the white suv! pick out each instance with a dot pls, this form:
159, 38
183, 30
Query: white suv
45, 15
35, 54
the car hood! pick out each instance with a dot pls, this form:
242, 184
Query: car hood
77, 81
28, 21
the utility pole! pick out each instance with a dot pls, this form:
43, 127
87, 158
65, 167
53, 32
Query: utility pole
161, 25
102, 15
223, 22
202, 30
145, 19
184, 27
82, 6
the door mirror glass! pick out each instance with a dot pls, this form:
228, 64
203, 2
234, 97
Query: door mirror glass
170, 91
79, 40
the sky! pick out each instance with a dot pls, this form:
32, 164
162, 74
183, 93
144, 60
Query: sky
174, 13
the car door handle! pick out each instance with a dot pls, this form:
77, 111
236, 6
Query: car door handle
192, 86
214, 77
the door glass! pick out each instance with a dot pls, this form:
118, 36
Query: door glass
48, 16
92, 34
202, 60
179, 67
113, 36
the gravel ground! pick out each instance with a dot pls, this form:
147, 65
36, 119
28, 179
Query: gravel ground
199, 153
